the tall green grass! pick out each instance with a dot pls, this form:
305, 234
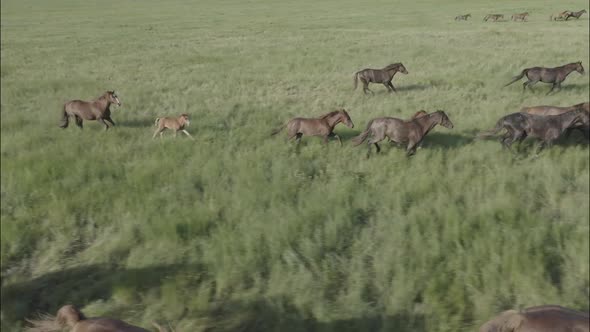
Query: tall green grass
238, 231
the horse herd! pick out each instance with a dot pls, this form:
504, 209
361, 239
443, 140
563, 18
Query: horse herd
561, 16
544, 122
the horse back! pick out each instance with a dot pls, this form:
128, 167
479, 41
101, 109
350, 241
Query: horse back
86, 110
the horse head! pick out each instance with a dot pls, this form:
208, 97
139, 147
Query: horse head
113, 98
579, 67
444, 119
345, 118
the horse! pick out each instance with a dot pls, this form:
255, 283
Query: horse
419, 114
521, 16
560, 16
575, 14
70, 317
548, 75
462, 17
493, 17
321, 126
410, 132
546, 128
383, 76
176, 124
97, 109
547, 318
556, 110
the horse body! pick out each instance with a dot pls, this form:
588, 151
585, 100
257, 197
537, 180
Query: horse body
410, 132
555, 110
575, 14
322, 126
176, 124
560, 16
70, 317
554, 75
521, 16
384, 76
493, 17
98, 109
548, 318
462, 17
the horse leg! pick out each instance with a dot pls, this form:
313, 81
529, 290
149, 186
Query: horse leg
387, 87
298, 138
101, 120
366, 87
158, 131
78, 121
337, 137
187, 134
552, 88
110, 120
391, 86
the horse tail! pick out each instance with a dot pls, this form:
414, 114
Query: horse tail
65, 120
518, 77
356, 79
492, 131
278, 130
362, 136
157, 122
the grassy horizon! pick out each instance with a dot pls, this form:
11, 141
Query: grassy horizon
237, 231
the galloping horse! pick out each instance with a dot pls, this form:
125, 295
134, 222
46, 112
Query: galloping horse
383, 76
521, 16
493, 17
462, 17
97, 109
547, 128
548, 75
575, 14
322, 126
547, 318
72, 318
410, 132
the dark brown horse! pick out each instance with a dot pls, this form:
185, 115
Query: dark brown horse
575, 14
409, 133
493, 17
521, 17
383, 76
546, 128
98, 109
547, 318
322, 126
70, 317
462, 17
555, 110
548, 75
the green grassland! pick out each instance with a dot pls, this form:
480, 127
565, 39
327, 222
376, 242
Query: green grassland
236, 231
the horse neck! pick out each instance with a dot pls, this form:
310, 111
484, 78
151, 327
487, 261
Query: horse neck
392, 71
427, 123
569, 68
103, 102
334, 120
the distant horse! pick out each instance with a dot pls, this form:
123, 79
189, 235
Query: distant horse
462, 17
322, 126
548, 75
383, 76
97, 109
575, 14
546, 128
547, 318
70, 317
176, 124
521, 17
560, 16
411, 132
493, 17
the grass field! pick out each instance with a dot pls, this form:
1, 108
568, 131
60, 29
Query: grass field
236, 231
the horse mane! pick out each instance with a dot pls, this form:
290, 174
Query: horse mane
327, 115
67, 315
393, 65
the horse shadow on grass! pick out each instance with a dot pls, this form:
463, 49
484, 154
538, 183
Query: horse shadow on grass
137, 123
80, 286
447, 140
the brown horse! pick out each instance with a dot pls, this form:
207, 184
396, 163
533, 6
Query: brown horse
546, 128
176, 124
559, 16
555, 110
70, 317
97, 109
383, 76
322, 126
548, 75
521, 17
575, 14
462, 17
547, 318
410, 132
493, 17
419, 114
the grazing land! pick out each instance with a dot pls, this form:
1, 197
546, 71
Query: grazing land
236, 230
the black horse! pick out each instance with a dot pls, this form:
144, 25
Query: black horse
548, 75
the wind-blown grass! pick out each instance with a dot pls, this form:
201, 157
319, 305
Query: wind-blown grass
238, 231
